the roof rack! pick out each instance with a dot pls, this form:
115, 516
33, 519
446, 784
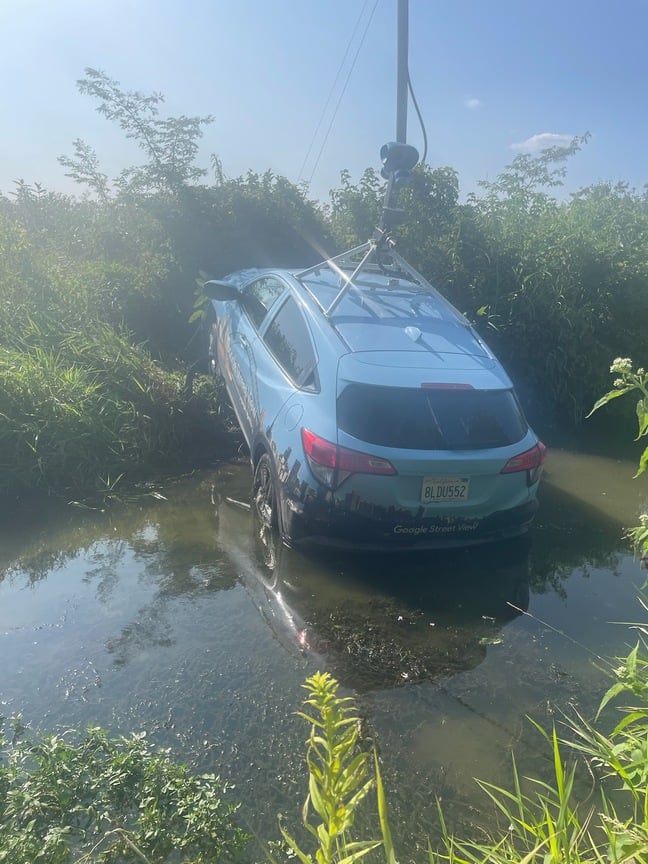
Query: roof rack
367, 251
376, 255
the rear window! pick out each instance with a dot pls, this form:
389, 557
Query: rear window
431, 419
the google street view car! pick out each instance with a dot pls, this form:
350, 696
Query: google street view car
375, 415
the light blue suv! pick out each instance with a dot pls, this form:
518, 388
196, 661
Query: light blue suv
375, 415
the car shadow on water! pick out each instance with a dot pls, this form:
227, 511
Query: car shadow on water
379, 621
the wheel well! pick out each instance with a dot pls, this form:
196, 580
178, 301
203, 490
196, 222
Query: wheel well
259, 450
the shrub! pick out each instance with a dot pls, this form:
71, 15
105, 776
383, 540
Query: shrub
91, 798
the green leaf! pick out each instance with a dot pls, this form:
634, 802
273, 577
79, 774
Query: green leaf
558, 765
316, 797
642, 417
613, 394
643, 463
614, 690
390, 854
303, 857
360, 849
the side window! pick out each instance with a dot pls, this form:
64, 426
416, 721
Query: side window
288, 339
259, 297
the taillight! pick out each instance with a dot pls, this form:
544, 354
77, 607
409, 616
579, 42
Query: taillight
332, 464
434, 385
531, 460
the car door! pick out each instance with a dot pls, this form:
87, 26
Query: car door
251, 310
290, 373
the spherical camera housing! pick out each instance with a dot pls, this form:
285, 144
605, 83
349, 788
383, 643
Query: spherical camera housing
398, 159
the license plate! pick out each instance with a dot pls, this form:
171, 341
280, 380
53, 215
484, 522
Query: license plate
435, 489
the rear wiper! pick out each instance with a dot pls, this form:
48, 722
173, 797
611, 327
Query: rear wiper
437, 425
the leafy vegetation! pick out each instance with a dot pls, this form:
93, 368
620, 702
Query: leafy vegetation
339, 776
99, 375
596, 808
630, 380
95, 798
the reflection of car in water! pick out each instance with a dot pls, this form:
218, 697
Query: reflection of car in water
378, 622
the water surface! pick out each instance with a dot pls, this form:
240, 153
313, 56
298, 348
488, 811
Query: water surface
169, 613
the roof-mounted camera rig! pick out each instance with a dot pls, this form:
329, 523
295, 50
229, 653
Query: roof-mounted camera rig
397, 159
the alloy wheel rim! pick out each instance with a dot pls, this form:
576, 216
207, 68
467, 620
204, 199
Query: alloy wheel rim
263, 497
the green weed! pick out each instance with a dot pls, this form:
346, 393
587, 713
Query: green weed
628, 381
339, 777
94, 798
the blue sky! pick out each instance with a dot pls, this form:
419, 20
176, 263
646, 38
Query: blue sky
491, 78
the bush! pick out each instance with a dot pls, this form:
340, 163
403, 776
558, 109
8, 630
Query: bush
91, 798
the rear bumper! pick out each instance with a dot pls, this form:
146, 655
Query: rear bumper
317, 526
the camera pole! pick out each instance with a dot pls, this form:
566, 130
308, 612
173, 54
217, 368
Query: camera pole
402, 75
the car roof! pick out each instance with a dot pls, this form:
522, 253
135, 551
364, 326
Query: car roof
384, 289
381, 308
386, 309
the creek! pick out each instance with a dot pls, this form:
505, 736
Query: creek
168, 613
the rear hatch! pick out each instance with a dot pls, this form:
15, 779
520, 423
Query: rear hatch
448, 423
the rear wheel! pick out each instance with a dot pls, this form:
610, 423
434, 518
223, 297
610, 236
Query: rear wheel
264, 493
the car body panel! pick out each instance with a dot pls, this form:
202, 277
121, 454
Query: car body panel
410, 369
437, 338
488, 487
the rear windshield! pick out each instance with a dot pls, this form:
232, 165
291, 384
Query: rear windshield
431, 419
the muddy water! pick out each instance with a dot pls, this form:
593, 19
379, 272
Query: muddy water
169, 613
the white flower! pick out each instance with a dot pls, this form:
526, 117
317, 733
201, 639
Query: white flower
622, 365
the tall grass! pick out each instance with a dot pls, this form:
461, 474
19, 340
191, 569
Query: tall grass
82, 401
88, 407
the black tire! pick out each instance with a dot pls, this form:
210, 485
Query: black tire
264, 493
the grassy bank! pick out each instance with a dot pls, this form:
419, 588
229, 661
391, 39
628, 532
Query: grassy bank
90, 408
84, 399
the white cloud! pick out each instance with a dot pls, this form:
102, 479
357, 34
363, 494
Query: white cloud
473, 103
537, 143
